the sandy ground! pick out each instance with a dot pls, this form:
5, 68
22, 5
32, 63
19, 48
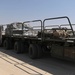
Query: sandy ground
20, 64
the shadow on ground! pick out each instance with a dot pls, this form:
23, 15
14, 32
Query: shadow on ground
47, 63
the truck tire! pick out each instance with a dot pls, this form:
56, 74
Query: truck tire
40, 52
33, 51
24, 48
17, 47
6, 44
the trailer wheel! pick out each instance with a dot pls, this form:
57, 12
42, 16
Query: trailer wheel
24, 48
33, 51
6, 44
17, 47
40, 52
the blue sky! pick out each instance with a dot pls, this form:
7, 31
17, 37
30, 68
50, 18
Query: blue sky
23, 10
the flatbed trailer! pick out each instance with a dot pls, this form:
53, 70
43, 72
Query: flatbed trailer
37, 40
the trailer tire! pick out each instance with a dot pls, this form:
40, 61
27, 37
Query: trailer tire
24, 48
40, 52
17, 47
6, 44
33, 51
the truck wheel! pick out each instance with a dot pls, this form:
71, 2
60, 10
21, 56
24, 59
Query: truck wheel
17, 47
6, 44
24, 48
33, 51
40, 52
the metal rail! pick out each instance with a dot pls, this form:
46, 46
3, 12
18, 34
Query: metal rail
66, 25
54, 19
33, 26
